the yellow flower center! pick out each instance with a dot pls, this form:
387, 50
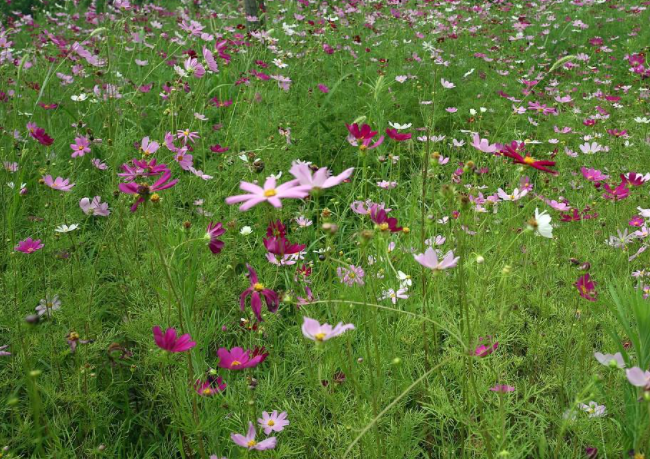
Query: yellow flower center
155, 197
383, 226
251, 443
528, 160
362, 147
352, 275
320, 336
235, 363
80, 147
270, 423
270, 193
258, 287
207, 391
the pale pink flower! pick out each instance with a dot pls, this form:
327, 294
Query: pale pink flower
313, 330
429, 259
269, 193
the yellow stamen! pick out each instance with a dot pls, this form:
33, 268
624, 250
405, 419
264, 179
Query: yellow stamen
235, 363
383, 226
270, 423
251, 443
270, 193
320, 336
528, 160
258, 287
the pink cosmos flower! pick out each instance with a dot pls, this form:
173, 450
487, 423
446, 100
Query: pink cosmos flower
210, 60
39, 134
213, 232
94, 207
169, 342
612, 360
270, 194
273, 422
313, 330
142, 168
59, 183
429, 259
186, 135
239, 359
502, 388
586, 287
80, 146
483, 350
255, 290
639, 378
363, 134
350, 276
249, 442
143, 191
29, 246
319, 180
617, 194
211, 386
148, 147
184, 159
193, 67
384, 223
483, 144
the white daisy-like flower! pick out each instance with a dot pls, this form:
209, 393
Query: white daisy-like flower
66, 228
541, 224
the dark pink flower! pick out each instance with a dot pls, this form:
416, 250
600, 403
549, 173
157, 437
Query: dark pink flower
239, 359
213, 232
256, 291
586, 287
169, 342
396, 135
29, 246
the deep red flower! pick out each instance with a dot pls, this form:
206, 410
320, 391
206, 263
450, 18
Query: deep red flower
527, 160
396, 135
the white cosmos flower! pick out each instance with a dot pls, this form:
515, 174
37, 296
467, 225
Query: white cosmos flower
399, 127
245, 231
542, 224
66, 228
80, 98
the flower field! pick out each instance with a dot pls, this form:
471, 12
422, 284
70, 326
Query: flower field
325, 229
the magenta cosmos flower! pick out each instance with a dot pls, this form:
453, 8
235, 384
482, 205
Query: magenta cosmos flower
249, 442
80, 146
398, 136
586, 287
29, 245
273, 422
429, 259
255, 290
59, 183
238, 359
143, 191
593, 175
270, 193
39, 134
319, 180
483, 350
212, 234
211, 386
313, 330
169, 342
382, 220
362, 137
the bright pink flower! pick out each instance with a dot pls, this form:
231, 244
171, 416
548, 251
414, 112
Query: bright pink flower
213, 232
249, 442
483, 350
637, 221
240, 359
59, 183
80, 146
635, 179
429, 259
313, 330
586, 287
169, 342
502, 388
218, 149
527, 160
29, 245
142, 168
143, 191
617, 194
270, 194
593, 175
255, 290
362, 136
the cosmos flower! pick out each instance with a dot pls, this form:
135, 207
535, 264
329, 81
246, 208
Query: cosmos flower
273, 422
59, 183
593, 409
80, 146
169, 342
48, 305
39, 134
483, 145
144, 191
541, 165
210, 387
398, 136
29, 246
270, 193
351, 275
483, 350
362, 137
638, 377
94, 207
429, 259
148, 147
541, 224
239, 359
610, 360
319, 180
313, 330
249, 442
586, 287
382, 220
503, 388
212, 234
256, 291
